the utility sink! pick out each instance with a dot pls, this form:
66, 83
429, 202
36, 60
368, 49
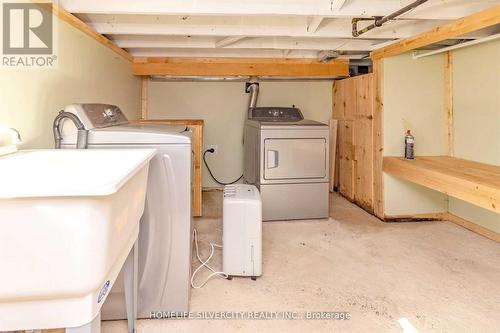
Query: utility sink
68, 220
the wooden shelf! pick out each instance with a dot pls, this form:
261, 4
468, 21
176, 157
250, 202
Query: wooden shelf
470, 181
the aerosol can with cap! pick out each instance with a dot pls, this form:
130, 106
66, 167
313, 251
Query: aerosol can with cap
409, 142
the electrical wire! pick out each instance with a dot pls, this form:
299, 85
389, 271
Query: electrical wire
211, 150
204, 263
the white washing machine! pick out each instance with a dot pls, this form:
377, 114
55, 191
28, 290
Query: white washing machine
166, 226
286, 157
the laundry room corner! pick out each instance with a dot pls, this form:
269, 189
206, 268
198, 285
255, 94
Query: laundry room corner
86, 71
223, 107
239, 167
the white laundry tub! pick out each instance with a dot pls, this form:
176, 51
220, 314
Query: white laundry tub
68, 220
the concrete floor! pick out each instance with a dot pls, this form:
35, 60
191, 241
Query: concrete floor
430, 276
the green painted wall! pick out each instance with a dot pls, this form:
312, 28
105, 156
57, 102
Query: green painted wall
476, 118
87, 72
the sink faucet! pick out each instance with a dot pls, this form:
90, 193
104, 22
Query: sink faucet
14, 133
82, 136
15, 139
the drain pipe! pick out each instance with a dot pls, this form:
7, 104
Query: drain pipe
381, 20
253, 89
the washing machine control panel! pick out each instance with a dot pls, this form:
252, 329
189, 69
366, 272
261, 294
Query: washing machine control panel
104, 115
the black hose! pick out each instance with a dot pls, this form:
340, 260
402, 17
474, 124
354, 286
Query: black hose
211, 150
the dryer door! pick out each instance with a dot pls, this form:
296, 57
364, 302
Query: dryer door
295, 158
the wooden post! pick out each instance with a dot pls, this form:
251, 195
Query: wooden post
198, 153
144, 97
378, 138
448, 99
333, 151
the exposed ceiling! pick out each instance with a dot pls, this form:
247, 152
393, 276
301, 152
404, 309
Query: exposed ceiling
261, 28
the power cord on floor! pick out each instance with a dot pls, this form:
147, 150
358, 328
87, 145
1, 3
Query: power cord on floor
211, 151
204, 263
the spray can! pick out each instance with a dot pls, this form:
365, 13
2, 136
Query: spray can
409, 142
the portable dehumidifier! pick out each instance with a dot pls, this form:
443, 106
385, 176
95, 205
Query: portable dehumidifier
242, 231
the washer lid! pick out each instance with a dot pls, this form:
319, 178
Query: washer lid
135, 134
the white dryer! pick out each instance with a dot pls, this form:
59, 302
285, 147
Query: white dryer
286, 157
166, 226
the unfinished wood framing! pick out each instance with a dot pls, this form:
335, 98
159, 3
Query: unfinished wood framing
477, 21
448, 99
333, 151
197, 126
415, 217
86, 29
363, 142
473, 227
240, 66
474, 182
378, 138
144, 97
446, 217
353, 109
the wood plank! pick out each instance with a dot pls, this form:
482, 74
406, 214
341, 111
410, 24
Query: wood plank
197, 126
333, 151
480, 20
473, 227
363, 142
338, 114
378, 138
448, 100
353, 107
416, 217
474, 182
197, 181
338, 101
86, 29
240, 66
476, 228
350, 100
346, 158
144, 97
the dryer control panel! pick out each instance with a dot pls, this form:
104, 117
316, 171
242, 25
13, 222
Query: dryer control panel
276, 114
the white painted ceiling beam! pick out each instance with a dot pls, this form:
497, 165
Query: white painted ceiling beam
228, 41
250, 26
433, 9
200, 52
337, 4
246, 53
314, 23
282, 43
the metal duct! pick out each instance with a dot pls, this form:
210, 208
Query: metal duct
381, 20
253, 89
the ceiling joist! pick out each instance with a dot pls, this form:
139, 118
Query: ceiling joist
337, 4
281, 43
314, 23
86, 29
474, 22
228, 41
440, 10
261, 28
240, 66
